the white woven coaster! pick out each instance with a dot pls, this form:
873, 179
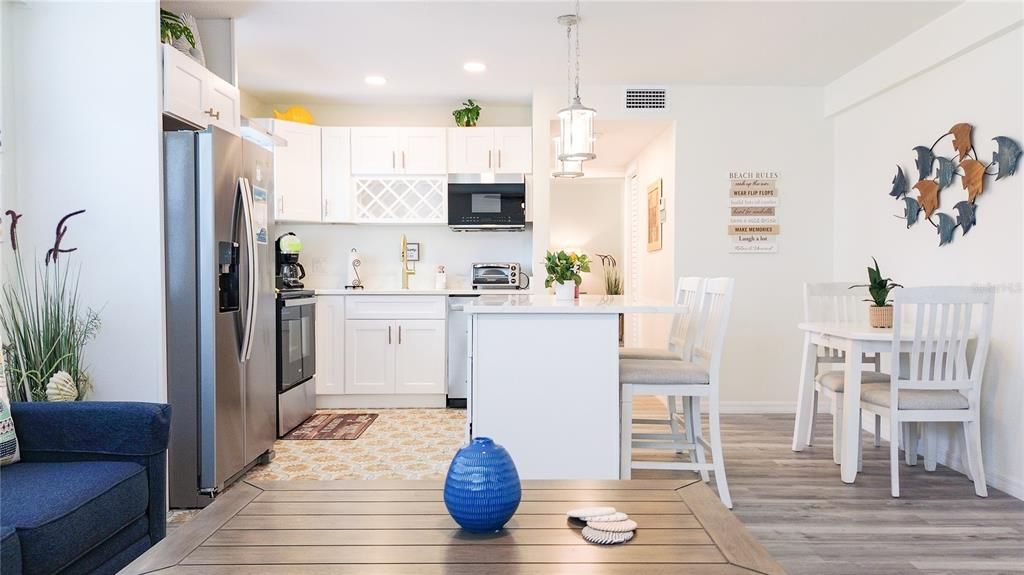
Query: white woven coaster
604, 537
617, 516
613, 526
584, 513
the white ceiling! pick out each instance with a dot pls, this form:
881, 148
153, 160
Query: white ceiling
319, 52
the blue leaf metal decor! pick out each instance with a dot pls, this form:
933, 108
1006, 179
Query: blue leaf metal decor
911, 210
899, 184
945, 171
1006, 156
965, 216
925, 159
946, 228
966, 165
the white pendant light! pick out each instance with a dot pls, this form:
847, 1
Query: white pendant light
567, 169
576, 120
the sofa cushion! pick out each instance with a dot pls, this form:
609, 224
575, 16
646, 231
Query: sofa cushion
646, 353
63, 510
10, 551
661, 371
878, 394
836, 380
9, 452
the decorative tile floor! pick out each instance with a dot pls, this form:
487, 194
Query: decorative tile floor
400, 444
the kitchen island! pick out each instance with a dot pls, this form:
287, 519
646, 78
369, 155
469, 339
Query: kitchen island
544, 380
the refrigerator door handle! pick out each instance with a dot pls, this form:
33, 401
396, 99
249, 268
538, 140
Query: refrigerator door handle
253, 272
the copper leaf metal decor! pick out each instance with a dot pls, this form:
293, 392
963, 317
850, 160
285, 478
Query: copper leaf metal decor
967, 166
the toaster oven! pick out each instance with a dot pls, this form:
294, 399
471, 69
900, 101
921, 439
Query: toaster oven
499, 275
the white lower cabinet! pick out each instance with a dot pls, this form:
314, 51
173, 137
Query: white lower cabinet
381, 351
421, 356
330, 345
370, 356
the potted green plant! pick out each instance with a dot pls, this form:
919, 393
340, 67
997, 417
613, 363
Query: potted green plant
467, 115
880, 312
564, 271
173, 27
612, 278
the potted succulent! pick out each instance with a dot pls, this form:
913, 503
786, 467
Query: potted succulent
467, 115
880, 312
564, 271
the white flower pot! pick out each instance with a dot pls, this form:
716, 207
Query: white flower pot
565, 292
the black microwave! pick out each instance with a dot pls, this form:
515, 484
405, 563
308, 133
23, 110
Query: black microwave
487, 207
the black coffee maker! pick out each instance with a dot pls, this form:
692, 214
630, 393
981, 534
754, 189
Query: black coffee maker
286, 257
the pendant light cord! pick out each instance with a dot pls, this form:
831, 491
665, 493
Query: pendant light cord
577, 83
568, 64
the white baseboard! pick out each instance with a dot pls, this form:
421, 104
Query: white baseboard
952, 458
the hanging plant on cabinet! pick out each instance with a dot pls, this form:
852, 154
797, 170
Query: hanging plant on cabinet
45, 328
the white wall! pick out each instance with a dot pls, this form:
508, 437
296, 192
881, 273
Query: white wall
875, 135
326, 249
586, 214
657, 161
84, 120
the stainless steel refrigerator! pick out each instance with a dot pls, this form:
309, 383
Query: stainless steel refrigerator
220, 306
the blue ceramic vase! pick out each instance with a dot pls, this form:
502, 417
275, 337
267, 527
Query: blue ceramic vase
482, 490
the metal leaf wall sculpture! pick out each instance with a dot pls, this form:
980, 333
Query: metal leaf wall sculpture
967, 166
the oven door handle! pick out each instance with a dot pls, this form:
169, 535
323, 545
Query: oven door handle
299, 301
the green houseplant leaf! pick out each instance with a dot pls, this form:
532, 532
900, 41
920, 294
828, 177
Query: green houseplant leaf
467, 115
173, 27
878, 286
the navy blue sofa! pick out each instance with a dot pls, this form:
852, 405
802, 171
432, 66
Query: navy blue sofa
89, 495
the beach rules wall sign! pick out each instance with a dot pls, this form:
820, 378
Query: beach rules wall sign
753, 212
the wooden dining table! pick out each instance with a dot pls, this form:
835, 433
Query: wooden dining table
854, 339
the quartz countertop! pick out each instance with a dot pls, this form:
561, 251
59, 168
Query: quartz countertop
547, 304
437, 292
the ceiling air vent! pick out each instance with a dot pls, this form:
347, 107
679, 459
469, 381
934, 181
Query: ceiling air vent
646, 99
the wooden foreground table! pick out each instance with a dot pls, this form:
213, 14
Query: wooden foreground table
402, 528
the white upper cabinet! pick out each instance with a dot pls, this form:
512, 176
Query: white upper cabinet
198, 96
374, 151
514, 150
470, 150
297, 176
384, 151
497, 150
336, 170
423, 151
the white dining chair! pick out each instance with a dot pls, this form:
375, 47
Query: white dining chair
836, 302
691, 380
689, 291
941, 385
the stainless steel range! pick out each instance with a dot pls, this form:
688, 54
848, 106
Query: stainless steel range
296, 358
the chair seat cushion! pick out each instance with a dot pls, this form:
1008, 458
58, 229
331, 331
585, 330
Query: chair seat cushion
878, 394
646, 353
661, 371
63, 510
836, 380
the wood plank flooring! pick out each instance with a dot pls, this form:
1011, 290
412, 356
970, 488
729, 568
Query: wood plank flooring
797, 507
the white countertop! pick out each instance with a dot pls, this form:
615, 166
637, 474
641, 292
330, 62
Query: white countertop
438, 292
547, 304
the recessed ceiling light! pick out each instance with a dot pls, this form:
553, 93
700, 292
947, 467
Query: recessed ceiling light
376, 80
474, 67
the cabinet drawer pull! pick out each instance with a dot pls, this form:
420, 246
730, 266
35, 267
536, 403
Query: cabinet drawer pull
403, 167
499, 158
399, 335
393, 165
212, 113
389, 335
488, 159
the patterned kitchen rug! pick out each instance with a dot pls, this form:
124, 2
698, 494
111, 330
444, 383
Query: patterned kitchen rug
333, 426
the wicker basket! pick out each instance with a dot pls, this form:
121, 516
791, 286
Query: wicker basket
880, 316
